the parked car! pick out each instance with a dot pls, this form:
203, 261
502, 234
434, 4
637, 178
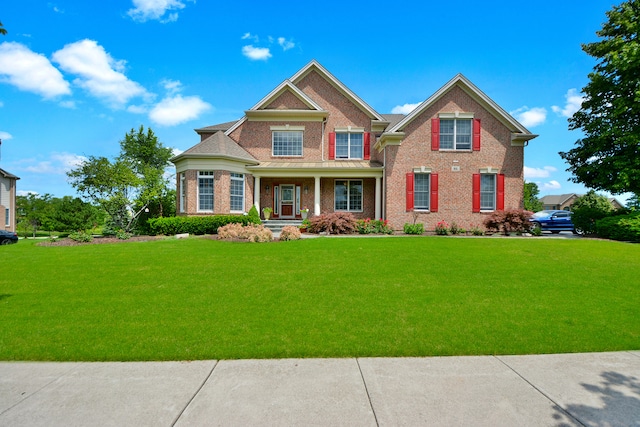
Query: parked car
7, 237
553, 221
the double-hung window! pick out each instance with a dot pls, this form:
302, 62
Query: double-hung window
348, 195
349, 145
205, 191
487, 192
455, 134
287, 143
421, 192
237, 192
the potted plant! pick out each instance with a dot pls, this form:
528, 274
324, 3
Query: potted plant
267, 213
304, 213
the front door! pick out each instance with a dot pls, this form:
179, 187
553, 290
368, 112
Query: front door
287, 199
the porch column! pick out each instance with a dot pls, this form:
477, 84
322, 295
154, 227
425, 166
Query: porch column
378, 198
256, 192
316, 196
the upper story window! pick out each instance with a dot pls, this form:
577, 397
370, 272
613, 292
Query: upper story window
349, 145
455, 134
287, 143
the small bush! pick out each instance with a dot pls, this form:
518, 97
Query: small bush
588, 209
442, 228
333, 223
198, 225
250, 232
413, 228
625, 228
373, 226
509, 221
81, 236
454, 229
254, 215
230, 231
123, 235
476, 230
290, 232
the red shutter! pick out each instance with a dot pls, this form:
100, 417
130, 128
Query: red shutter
435, 134
367, 146
476, 192
476, 134
332, 145
409, 191
500, 192
433, 203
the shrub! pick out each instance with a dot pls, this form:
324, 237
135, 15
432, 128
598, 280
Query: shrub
250, 232
621, 227
588, 209
254, 215
81, 236
476, 230
290, 232
509, 221
194, 224
123, 235
333, 223
454, 229
230, 231
373, 226
413, 228
442, 228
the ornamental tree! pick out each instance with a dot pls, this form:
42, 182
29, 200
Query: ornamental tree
608, 156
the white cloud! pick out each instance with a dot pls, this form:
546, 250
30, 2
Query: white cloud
68, 104
145, 10
286, 44
58, 164
5, 136
99, 74
171, 86
26, 193
530, 117
30, 71
256, 53
174, 110
551, 185
544, 172
573, 104
176, 151
404, 109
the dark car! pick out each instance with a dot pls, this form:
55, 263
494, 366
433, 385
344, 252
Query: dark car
7, 237
553, 221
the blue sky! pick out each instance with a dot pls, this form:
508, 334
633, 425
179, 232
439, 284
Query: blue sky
76, 76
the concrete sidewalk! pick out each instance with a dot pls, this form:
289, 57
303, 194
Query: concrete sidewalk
600, 389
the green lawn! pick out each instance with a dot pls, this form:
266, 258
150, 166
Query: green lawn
327, 297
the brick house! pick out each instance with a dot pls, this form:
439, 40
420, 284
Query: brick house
313, 143
8, 200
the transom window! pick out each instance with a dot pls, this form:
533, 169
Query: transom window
349, 145
421, 191
237, 192
348, 195
455, 134
487, 192
205, 191
287, 143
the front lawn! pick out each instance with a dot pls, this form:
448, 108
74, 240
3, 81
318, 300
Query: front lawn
327, 297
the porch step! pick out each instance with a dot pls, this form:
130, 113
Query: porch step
276, 225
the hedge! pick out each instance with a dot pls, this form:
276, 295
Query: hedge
625, 228
195, 224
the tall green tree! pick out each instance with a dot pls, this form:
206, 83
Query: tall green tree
588, 209
530, 197
72, 214
33, 213
126, 186
608, 157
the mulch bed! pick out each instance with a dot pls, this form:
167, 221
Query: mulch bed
98, 240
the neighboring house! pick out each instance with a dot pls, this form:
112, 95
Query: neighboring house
313, 143
7, 201
565, 201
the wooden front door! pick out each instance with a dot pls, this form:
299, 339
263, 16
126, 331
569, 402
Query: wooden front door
287, 200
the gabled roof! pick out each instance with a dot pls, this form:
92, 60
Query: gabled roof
554, 199
519, 132
6, 174
217, 145
215, 128
315, 66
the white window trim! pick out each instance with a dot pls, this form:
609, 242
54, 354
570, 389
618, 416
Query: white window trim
495, 192
348, 195
420, 172
232, 178
353, 131
207, 174
290, 129
455, 117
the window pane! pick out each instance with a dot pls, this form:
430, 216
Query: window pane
421, 191
446, 134
342, 145
487, 192
356, 146
287, 143
355, 195
205, 193
463, 134
237, 192
341, 196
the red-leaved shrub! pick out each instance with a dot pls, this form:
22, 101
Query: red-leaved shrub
333, 223
509, 221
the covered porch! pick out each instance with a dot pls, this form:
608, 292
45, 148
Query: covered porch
321, 187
